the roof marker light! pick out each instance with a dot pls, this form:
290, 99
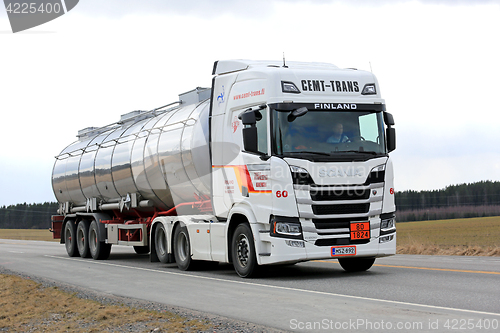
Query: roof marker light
369, 89
289, 87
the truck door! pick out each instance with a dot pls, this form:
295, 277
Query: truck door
258, 170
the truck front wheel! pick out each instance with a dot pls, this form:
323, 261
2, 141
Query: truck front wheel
243, 251
98, 250
70, 238
356, 264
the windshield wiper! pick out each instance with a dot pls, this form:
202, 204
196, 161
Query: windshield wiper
308, 152
355, 151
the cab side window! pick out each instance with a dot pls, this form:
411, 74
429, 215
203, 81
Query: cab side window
262, 132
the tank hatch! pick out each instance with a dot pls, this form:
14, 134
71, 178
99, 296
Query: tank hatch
195, 96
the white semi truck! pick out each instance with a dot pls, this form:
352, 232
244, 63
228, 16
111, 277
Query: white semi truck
274, 164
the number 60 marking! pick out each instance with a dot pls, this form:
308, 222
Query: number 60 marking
280, 194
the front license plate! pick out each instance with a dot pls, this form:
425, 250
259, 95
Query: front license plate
343, 251
360, 230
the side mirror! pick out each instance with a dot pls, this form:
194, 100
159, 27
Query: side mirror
388, 119
391, 139
250, 142
297, 113
248, 118
251, 116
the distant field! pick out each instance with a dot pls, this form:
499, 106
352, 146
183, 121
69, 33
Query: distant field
474, 236
27, 234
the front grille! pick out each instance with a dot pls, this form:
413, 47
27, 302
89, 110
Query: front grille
340, 209
340, 194
335, 223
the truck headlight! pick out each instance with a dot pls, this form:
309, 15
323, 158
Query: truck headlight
300, 176
286, 227
387, 224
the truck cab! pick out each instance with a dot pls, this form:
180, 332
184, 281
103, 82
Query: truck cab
300, 153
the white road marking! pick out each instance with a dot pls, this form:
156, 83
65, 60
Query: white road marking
285, 288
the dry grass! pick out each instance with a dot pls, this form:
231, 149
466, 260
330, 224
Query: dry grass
27, 234
28, 306
470, 237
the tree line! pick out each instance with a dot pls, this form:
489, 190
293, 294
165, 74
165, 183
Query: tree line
27, 216
455, 201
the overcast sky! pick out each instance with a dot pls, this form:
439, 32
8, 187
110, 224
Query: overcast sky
437, 62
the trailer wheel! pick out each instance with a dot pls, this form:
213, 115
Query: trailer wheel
182, 249
82, 239
161, 244
70, 238
98, 250
356, 264
243, 251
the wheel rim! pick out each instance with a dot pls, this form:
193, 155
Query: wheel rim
243, 250
182, 246
161, 240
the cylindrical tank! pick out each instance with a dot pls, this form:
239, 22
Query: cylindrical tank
163, 158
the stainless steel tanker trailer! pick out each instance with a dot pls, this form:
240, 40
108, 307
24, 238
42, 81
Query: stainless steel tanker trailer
251, 171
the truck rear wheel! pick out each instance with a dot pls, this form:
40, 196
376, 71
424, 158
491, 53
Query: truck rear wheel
356, 264
98, 250
182, 249
70, 238
243, 251
161, 244
82, 239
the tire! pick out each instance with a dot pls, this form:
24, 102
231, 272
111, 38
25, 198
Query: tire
82, 239
70, 238
356, 264
161, 244
141, 249
182, 249
98, 250
243, 251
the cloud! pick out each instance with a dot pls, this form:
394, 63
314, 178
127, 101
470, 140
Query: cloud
241, 8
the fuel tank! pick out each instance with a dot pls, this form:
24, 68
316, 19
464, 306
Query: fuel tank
160, 158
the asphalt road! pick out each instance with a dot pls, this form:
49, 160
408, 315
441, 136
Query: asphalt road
401, 293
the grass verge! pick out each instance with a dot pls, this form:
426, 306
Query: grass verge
26, 305
473, 236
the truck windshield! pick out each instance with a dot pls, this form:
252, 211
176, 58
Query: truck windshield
328, 135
